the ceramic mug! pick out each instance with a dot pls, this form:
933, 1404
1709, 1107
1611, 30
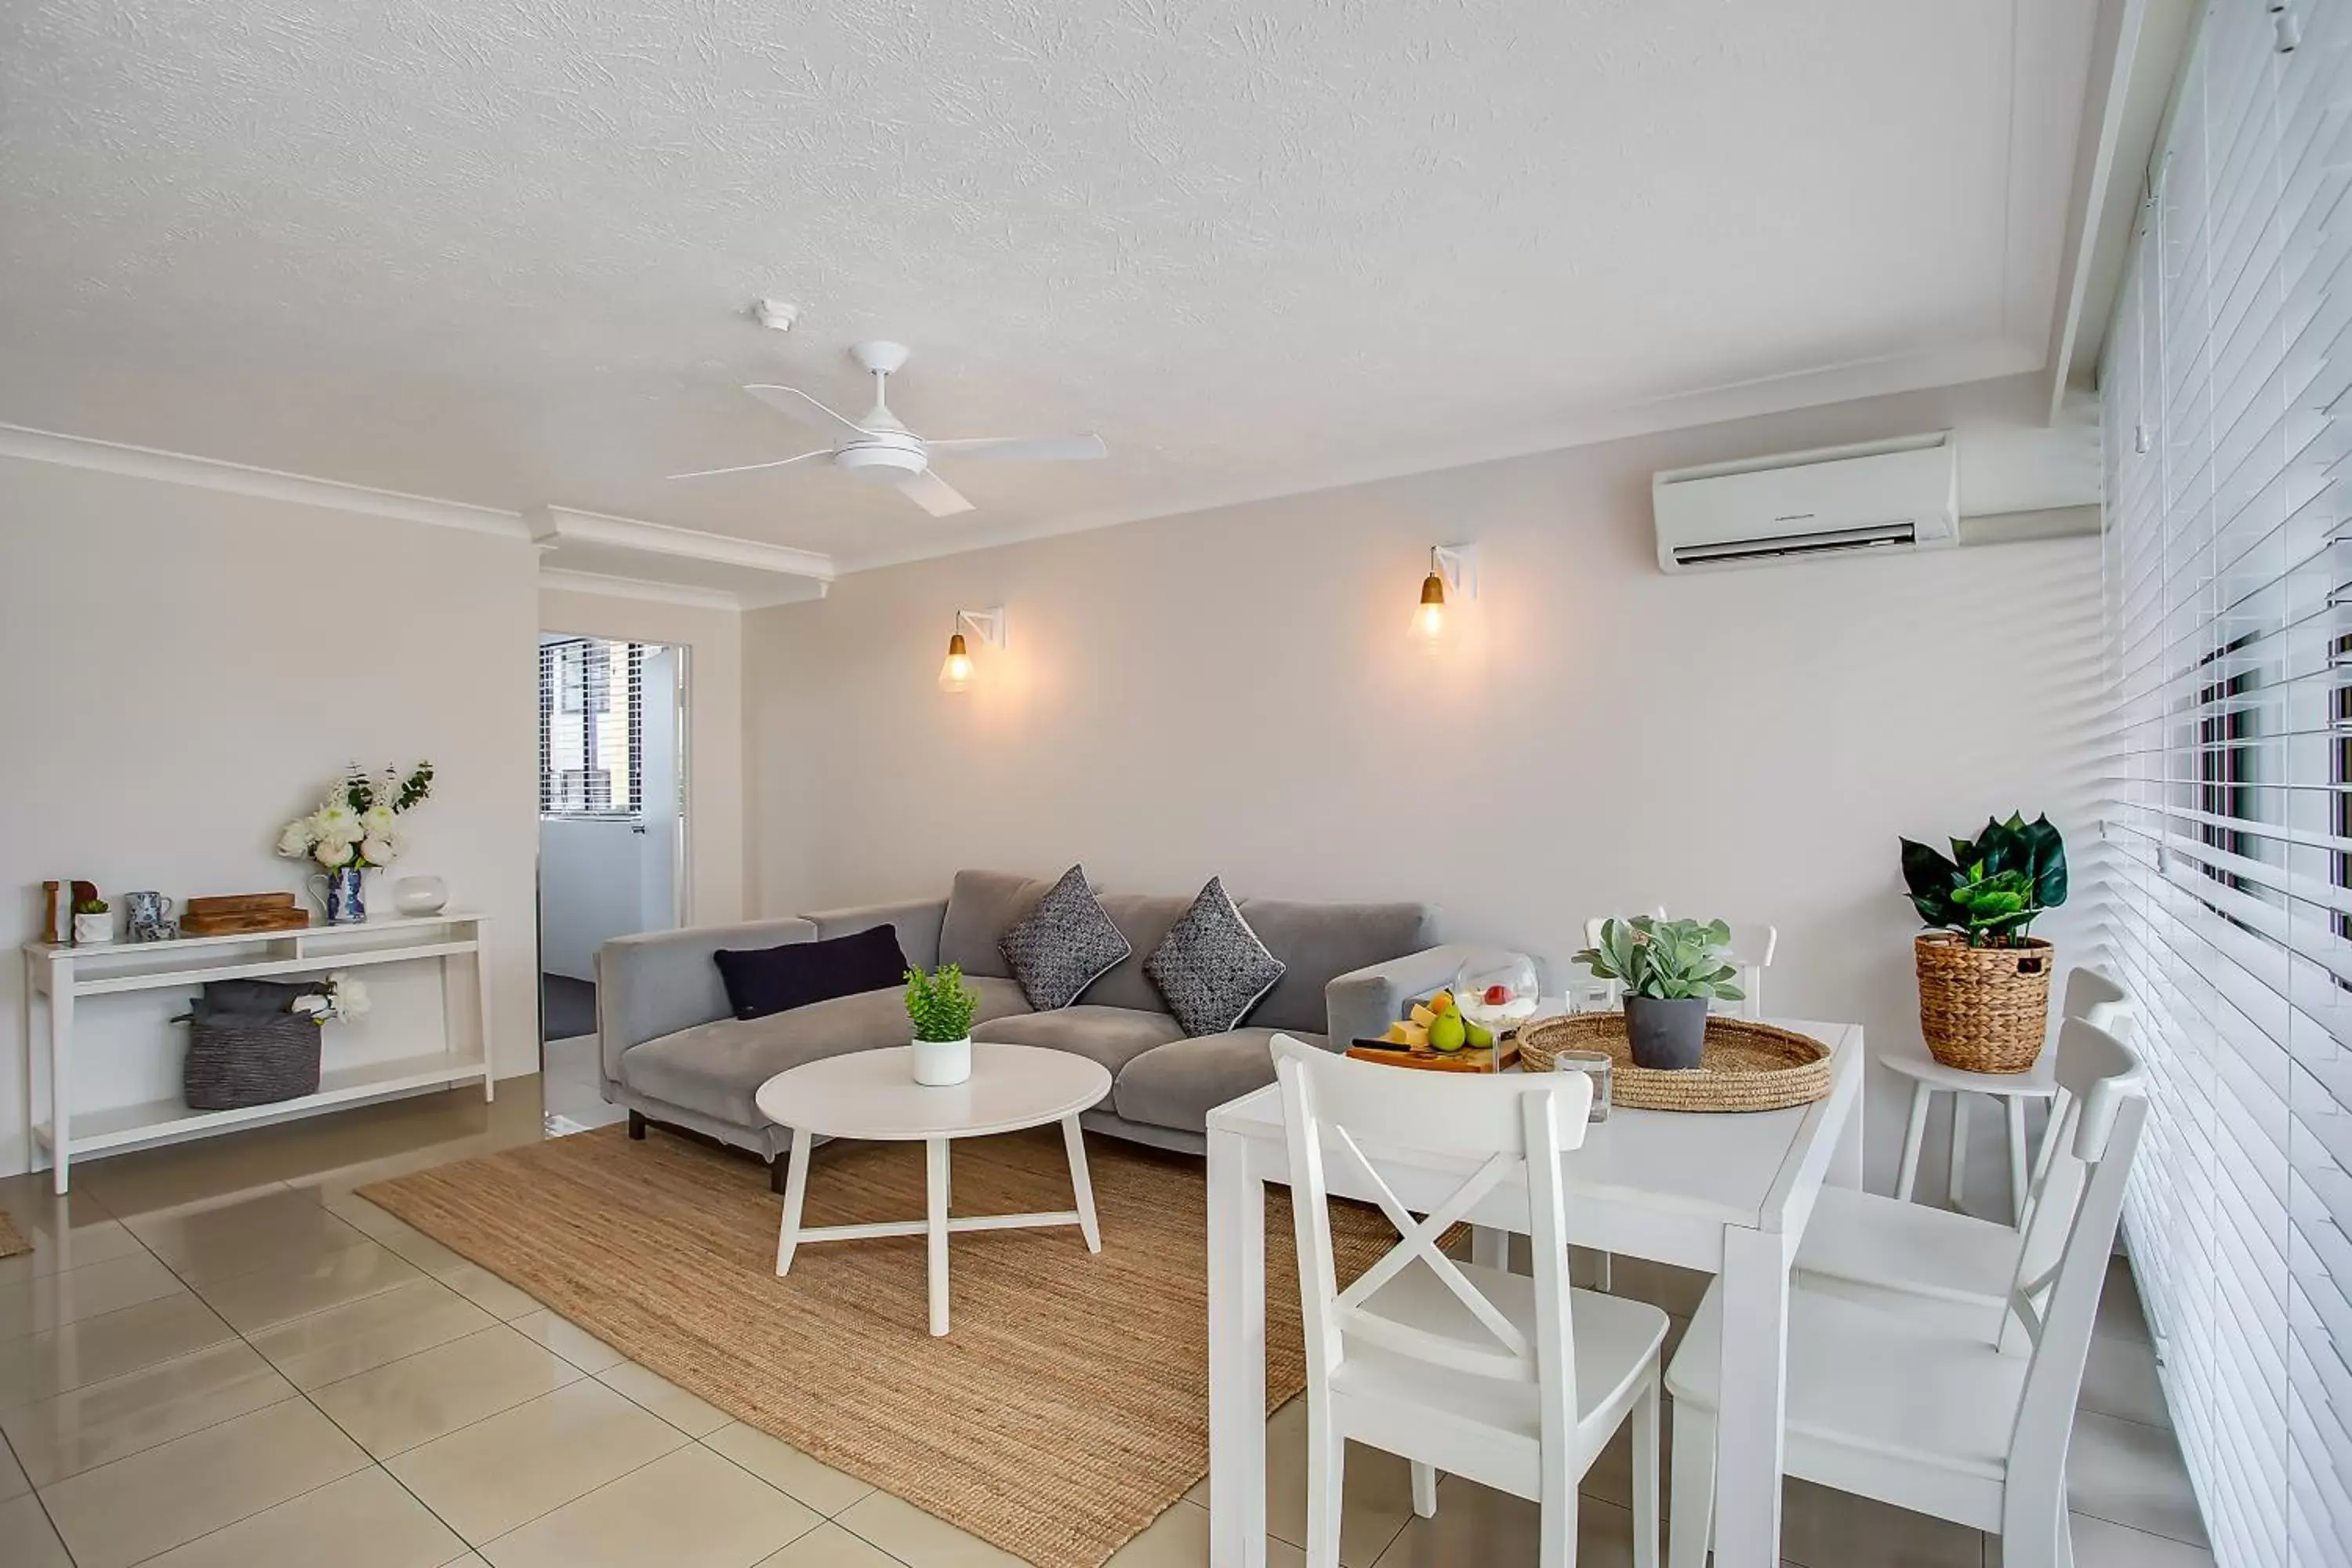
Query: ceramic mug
151, 916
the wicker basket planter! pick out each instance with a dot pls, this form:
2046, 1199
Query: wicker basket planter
240, 1060
1983, 1009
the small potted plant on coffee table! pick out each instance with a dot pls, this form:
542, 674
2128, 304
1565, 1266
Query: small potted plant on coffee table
940, 1006
93, 922
1671, 969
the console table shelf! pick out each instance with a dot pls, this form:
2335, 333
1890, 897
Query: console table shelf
58, 976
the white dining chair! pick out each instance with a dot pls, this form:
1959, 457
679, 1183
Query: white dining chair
1952, 1265
1515, 1381
1923, 1415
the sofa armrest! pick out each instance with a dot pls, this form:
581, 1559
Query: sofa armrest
1363, 1003
917, 922
659, 981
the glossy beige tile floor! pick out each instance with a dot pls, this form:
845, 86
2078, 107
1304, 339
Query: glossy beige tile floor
218, 1357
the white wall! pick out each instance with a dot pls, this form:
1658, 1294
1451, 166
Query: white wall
188, 668
714, 639
1232, 692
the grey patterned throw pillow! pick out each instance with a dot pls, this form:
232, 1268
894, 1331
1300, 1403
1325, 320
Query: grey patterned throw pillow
1211, 968
1063, 946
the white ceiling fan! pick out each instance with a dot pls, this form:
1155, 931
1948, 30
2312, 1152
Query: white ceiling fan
876, 446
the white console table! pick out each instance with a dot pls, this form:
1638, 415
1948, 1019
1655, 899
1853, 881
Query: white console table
59, 977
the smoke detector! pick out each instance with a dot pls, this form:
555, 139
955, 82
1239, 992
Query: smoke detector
776, 315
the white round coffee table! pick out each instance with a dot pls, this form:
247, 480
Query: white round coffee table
874, 1095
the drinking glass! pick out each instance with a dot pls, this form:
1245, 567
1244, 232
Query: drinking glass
1595, 1065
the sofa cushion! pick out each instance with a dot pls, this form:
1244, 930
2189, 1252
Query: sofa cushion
1062, 945
982, 907
1211, 966
716, 1069
1111, 1036
764, 980
1178, 1085
1321, 941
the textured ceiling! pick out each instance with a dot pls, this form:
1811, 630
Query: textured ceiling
502, 253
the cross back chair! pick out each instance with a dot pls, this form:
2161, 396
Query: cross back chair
1928, 1416
1516, 1381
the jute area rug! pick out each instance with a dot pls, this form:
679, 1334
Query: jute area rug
1066, 1411
12, 1240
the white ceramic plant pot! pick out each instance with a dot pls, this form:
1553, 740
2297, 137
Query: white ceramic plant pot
942, 1062
92, 929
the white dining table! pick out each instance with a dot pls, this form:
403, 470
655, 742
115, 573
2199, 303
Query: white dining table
1725, 1193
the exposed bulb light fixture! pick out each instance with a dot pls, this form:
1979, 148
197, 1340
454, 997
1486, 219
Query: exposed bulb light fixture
1451, 566
955, 674
988, 625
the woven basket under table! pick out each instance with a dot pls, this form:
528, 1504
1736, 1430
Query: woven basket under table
1746, 1065
236, 1060
1983, 1009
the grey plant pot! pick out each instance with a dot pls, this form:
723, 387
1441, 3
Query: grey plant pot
1666, 1036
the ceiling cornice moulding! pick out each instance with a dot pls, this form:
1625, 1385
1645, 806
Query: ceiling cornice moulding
554, 526
263, 484
598, 584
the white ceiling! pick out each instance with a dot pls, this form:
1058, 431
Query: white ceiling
502, 253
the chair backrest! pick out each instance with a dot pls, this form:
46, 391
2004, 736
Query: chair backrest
2063, 1263
2107, 1006
1507, 1132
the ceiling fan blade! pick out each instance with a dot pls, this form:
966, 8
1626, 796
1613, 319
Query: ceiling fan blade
793, 403
933, 494
1033, 449
749, 467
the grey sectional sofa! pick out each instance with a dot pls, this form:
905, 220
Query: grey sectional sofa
673, 1053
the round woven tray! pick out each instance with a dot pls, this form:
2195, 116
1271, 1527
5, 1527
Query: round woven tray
1748, 1067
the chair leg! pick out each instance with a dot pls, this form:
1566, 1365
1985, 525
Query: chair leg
1645, 1474
1424, 1490
1914, 1132
1556, 1531
637, 1125
1694, 1460
2017, 1157
1326, 1452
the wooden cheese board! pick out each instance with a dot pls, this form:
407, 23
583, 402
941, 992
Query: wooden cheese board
1469, 1059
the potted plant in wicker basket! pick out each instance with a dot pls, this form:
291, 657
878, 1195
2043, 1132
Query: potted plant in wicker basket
1984, 984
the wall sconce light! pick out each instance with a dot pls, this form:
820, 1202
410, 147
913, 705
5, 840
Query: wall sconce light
1452, 568
988, 625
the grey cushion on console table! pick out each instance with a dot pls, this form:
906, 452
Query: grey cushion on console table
1353, 967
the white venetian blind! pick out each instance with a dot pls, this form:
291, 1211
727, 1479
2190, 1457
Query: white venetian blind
592, 740
2229, 597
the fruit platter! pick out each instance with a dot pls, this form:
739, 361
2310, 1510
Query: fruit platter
1442, 1035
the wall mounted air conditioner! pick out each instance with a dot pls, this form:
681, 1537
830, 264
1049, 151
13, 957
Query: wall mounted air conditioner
1895, 495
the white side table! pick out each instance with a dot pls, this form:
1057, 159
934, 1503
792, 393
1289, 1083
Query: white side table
874, 1095
1928, 1077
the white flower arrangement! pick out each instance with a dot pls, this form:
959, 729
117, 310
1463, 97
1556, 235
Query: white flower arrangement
357, 824
339, 998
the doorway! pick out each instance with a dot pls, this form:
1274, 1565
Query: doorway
612, 833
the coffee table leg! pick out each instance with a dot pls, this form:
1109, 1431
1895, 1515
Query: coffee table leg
1082, 1183
796, 1188
935, 1161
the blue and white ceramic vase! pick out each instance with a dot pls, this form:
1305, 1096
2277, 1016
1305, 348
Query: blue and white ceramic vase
343, 892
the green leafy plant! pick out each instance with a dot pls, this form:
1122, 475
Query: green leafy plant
91, 907
1991, 888
1670, 960
940, 1004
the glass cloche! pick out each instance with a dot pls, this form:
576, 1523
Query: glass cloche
1496, 990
